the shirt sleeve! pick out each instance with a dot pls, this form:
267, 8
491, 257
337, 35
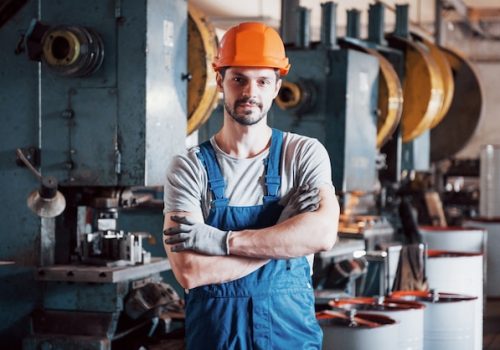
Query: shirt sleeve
184, 184
314, 166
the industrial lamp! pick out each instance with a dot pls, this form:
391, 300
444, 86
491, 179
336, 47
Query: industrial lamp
46, 201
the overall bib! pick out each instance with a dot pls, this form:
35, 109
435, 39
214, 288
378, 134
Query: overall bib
271, 308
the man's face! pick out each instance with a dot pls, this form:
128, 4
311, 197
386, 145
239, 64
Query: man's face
248, 93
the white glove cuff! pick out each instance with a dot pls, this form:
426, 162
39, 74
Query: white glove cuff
227, 242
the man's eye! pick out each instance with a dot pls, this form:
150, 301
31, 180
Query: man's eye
264, 82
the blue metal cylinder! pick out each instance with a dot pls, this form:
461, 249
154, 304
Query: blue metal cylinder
353, 24
329, 24
304, 32
402, 21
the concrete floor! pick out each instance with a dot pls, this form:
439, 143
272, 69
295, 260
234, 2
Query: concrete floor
491, 325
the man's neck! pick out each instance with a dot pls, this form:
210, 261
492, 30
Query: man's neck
242, 141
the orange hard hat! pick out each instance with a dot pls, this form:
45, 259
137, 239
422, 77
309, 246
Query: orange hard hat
252, 44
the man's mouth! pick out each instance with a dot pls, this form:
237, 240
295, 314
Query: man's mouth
247, 104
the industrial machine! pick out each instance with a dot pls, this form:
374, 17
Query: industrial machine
386, 130
315, 100
337, 101
93, 96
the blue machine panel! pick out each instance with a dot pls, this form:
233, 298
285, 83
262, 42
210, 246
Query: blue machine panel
20, 228
343, 85
105, 297
119, 126
116, 127
152, 110
80, 148
416, 154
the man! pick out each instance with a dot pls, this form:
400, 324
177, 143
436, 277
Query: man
240, 256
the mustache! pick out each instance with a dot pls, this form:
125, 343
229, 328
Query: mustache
249, 100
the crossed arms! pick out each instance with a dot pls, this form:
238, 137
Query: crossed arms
300, 235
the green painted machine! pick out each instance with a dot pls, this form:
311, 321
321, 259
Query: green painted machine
92, 97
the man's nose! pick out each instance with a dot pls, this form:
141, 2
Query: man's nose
250, 89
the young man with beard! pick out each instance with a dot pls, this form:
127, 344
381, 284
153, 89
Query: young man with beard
246, 211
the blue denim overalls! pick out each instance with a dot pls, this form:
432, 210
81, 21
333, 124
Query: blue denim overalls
271, 308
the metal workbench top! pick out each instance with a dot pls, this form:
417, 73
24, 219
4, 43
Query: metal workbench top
100, 274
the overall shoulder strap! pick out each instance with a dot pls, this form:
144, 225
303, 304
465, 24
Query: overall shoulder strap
216, 181
273, 163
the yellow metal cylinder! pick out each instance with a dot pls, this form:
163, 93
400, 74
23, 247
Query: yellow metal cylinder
61, 48
289, 96
423, 90
446, 77
390, 99
202, 86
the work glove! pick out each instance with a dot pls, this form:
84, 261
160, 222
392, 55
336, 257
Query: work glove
196, 236
301, 200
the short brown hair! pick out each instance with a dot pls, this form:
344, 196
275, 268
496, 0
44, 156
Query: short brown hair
222, 72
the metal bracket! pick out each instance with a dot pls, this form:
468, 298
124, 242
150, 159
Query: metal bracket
32, 154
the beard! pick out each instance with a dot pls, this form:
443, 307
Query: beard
249, 117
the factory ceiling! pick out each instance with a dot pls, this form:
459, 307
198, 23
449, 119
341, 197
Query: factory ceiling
422, 12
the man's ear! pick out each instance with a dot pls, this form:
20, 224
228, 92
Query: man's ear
219, 79
278, 87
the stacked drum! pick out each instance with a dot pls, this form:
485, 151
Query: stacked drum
357, 331
449, 321
455, 264
409, 315
492, 266
424, 320
459, 273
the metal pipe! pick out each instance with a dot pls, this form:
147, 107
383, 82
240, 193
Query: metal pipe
414, 24
329, 24
353, 24
47, 242
376, 24
402, 21
304, 32
288, 24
